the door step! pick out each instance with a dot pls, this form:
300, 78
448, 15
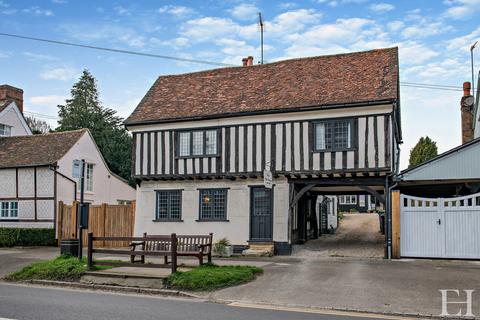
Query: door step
261, 249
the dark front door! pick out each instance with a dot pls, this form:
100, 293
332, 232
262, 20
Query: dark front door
261, 214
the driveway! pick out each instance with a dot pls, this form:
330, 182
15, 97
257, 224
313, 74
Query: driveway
358, 235
373, 285
12, 259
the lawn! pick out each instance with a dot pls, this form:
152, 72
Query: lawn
62, 268
211, 277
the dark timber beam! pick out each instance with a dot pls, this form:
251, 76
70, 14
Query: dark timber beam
302, 191
374, 193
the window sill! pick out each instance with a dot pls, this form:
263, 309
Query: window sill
211, 220
334, 150
198, 156
167, 220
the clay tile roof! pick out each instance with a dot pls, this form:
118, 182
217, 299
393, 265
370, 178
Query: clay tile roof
40, 149
358, 77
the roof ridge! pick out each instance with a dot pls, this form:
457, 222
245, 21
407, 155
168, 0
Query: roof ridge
47, 134
277, 62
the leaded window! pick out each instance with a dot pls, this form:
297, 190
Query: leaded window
333, 135
213, 204
5, 130
197, 143
348, 199
8, 209
169, 205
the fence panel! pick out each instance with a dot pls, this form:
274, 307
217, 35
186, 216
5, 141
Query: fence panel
104, 221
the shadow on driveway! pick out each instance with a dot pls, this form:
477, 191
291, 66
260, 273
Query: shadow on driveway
12, 259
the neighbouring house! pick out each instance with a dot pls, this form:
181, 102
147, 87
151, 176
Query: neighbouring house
38, 171
12, 121
362, 203
439, 204
320, 125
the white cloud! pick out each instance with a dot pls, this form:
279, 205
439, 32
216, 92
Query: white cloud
335, 3
463, 43
122, 11
3, 4
60, 1
111, 33
291, 21
177, 11
63, 74
37, 11
413, 53
4, 54
49, 100
245, 11
176, 43
395, 25
39, 57
207, 28
461, 9
381, 7
425, 29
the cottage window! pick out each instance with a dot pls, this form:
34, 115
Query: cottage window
197, 143
8, 209
5, 131
77, 174
348, 199
213, 204
169, 205
333, 135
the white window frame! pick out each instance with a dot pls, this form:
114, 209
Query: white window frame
89, 175
349, 199
5, 130
8, 210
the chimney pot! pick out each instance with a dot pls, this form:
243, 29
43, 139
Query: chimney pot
244, 62
466, 88
249, 61
15, 94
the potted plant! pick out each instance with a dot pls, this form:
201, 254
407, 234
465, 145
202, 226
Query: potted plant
222, 248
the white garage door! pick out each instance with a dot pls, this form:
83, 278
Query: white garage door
440, 228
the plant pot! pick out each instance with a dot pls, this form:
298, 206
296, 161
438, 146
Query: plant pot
225, 252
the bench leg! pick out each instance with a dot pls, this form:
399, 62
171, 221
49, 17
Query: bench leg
200, 259
165, 259
142, 260
132, 258
209, 257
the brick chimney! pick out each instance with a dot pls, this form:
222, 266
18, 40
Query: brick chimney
466, 107
249, 61
9, 92
244, 62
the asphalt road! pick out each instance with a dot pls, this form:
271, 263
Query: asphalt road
27, 302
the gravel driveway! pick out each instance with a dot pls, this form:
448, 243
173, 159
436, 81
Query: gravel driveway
358, 235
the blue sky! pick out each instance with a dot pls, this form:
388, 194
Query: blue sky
433, 36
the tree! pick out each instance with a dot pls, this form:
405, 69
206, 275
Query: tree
38, 126
424, 150
84, 110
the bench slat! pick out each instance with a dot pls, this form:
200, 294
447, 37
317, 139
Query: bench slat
136, 253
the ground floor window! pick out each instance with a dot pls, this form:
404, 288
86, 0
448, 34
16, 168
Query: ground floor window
169, 205
348, 199
213, 204
8, 209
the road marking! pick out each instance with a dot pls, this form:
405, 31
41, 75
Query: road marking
319, 311
6, 319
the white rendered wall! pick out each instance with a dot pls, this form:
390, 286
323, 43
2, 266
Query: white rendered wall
107, 187
238, 209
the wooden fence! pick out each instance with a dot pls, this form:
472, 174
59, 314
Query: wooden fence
105, 220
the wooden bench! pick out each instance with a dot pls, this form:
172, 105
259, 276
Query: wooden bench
187, 246
150, 247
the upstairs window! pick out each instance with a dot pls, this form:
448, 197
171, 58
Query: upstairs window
332, 135
197, 143
5, 131
77, 174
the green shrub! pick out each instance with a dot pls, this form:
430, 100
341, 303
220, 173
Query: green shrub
26, 237
210, 277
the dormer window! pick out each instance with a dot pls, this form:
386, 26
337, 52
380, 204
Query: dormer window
197, 143
5, 131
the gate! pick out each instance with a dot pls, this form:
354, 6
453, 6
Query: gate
440, 227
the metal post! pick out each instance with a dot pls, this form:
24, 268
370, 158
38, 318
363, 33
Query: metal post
90, 251
79, 212
173, 240
473, 71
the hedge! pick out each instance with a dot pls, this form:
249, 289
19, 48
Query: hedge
26, 237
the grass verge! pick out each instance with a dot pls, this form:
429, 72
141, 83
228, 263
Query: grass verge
210, 277
62, 268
